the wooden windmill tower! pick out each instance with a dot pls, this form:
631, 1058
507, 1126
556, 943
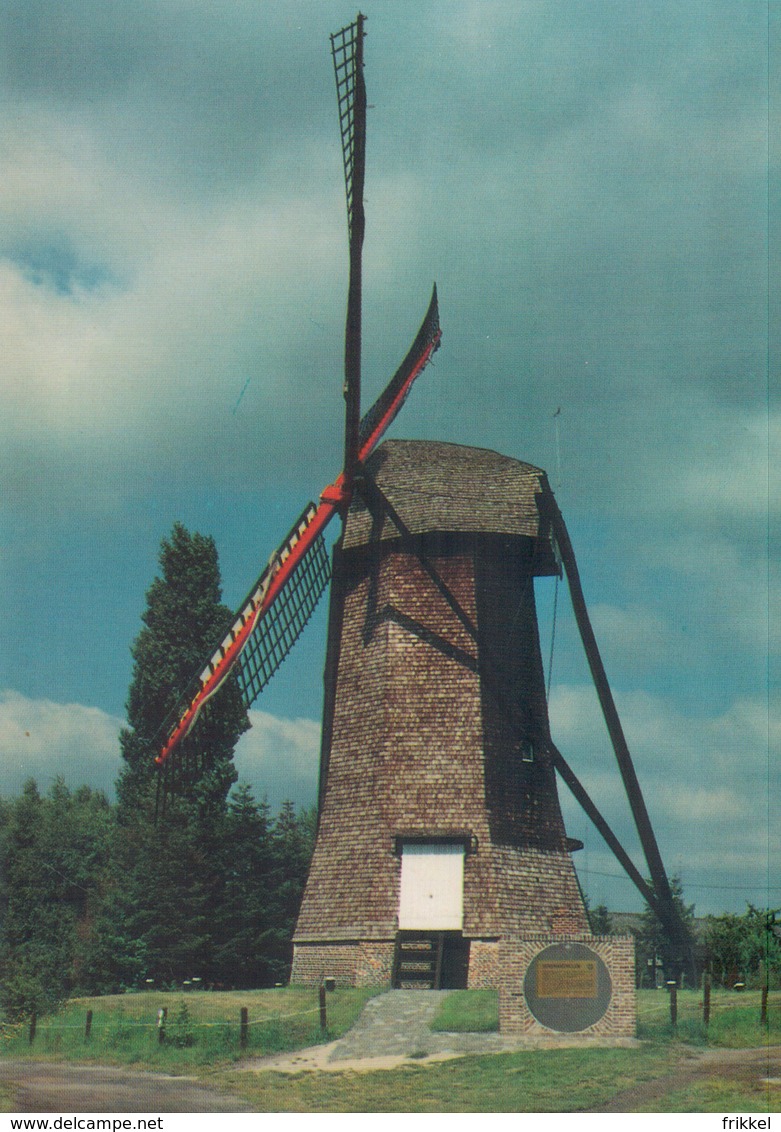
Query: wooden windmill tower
441, 856
440, 830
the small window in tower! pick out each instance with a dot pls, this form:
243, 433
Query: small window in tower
527, 751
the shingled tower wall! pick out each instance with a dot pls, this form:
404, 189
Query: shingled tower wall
435, 724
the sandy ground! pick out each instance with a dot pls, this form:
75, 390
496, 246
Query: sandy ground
64, 1087
320, 1059
325, 1058
58, 1087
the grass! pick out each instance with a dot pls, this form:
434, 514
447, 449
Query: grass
468, 1011
7, 1098
125, 1032
714, 1095
734, 1022
551, 1080
569, 1080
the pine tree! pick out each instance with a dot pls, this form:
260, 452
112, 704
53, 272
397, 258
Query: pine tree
292, 844
599, 920
654, 940
54, 852
244, 926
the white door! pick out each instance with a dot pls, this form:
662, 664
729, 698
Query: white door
431, 897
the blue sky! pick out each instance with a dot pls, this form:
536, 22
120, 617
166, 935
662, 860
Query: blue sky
592, 185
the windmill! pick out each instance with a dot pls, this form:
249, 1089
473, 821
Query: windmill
441, 850
275, 611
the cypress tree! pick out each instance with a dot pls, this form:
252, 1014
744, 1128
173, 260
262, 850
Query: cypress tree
184, 618
167, 884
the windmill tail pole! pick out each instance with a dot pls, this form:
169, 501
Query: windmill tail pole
665, 906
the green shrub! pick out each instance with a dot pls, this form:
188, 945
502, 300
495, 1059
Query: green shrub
181, 1032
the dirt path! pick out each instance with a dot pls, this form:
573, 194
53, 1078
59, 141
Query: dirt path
750, 1066
39, 1086
395, 1029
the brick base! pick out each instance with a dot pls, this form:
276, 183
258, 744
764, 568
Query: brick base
352, 963
483, 964
493, 963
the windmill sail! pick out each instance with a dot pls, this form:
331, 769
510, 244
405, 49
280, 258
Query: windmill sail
286, 593
297, 573
347, 51
276, 634
385, 409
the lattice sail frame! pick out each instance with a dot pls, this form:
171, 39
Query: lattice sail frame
347, 52
279, 630
261, 635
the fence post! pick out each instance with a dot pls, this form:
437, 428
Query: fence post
673, 1005
33, 1024
162, 1015
706, 999
323, 1015
244, 1028
88, 1026
763, 1014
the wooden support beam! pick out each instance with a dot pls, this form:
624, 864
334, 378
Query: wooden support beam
581, 795
665, 906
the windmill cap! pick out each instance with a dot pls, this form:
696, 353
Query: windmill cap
433, 486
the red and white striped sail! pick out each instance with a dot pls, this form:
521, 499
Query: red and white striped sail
297, 551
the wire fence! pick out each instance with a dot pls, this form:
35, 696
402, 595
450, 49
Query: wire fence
41, 1027
710, 1014
174, 1026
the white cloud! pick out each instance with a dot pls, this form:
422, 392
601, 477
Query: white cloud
707, 782
41, 739
724, 468
634, 637
280, 758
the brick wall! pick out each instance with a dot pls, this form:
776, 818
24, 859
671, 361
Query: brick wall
358, 963
616, 952
493, 963
483, 964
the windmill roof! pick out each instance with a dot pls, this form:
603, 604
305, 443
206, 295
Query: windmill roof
433, 486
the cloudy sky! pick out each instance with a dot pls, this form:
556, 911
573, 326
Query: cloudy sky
592, 184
